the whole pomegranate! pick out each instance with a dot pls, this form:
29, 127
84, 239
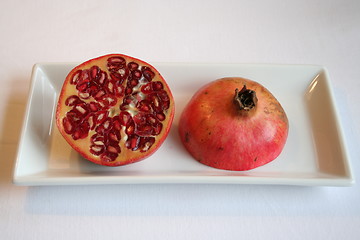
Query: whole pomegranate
115, 110
233, 124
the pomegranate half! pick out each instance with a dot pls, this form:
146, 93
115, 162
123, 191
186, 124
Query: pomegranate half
115, 110
233, 124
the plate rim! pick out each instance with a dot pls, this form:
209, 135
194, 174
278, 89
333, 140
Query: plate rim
32, 180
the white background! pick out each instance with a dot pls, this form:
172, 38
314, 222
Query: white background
289, 32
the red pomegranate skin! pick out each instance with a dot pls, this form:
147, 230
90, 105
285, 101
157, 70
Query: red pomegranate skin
216, 133
125, 155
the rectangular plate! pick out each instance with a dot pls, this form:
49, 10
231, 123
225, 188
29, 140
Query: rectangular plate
314, 155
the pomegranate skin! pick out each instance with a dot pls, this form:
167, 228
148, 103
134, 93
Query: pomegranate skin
216, 133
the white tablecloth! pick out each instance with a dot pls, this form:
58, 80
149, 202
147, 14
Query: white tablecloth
289, 32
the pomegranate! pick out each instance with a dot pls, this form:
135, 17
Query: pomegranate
233, 124
115, 110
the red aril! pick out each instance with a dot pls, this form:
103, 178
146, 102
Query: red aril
233, 124
115, 110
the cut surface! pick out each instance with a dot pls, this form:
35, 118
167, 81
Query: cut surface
115, 110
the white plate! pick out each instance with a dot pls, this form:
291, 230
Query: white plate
315, 153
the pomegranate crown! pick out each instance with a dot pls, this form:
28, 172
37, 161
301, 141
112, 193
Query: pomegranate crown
245, 99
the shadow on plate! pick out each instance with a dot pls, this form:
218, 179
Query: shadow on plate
325, 128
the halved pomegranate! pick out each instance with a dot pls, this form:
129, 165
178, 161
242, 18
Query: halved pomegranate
234, 124
115, 110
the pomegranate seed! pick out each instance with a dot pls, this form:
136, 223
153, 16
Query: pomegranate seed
143, 106
136, 74
85, 74
96, 149
119, 91
107, 124
165, 105
76, 77
68, 125
92, 89
84, 95
128, 91
123, 72
119, 60
101, 117
116, 123
102, 78
81, 109
128, 99
119, 75
100, 129
93, 106
110, 87
101, 104
145, 143
81, 132
113, 67
76, 135
115, 76
147, 88
123, 107
139, 119
133, 65
99, 94
73, 116
163, 96
125, 118
133, 82
72, 100
132, 142
91, 120
144, 130
94, 72
85, 127
82, 86
84, 78
160, 116
115, 63
148, 74
107, 157
114, 136
151, 119
156, 86
97, 139
108, 100
155, 103
157, 129
130, 128
113, 148
99, 143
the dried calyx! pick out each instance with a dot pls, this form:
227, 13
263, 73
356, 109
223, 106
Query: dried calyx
245, 99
